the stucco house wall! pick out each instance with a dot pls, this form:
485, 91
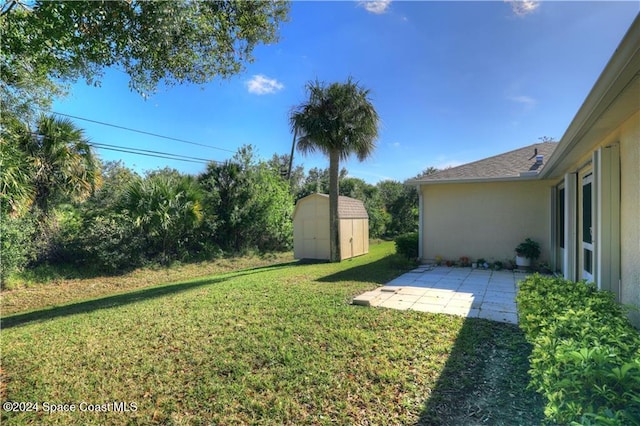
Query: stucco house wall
483, 220
629, 214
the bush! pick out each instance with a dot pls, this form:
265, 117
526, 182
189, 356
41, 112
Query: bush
17, 246
109, 244
586, 354
407, 245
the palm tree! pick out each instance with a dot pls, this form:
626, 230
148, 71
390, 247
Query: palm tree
165, 207
337, 120
63, 162
16, 188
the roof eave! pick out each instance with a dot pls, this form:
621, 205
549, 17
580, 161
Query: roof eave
474, 180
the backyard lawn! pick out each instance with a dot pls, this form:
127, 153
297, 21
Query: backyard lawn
277, 343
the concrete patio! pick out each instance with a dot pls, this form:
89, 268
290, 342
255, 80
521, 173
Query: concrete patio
473, 293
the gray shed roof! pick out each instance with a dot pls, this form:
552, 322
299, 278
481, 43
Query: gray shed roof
348, 208
520, 163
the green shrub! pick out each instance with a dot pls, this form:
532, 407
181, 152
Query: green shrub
17, 246
407, 245
586, 355
109, 243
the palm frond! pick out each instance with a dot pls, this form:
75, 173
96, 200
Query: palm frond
339, 117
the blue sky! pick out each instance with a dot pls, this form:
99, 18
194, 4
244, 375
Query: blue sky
453, 82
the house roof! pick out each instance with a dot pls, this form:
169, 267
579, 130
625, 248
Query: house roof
521, 163
348, 208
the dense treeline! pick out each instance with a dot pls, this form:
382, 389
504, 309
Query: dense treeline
61, 205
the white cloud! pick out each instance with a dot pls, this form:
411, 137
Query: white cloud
523, 7
525, 100
376, 6
262, 85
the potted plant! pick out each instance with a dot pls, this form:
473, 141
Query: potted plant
527, 252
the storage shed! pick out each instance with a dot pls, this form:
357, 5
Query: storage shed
311, 227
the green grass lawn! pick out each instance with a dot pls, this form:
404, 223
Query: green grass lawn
275, 344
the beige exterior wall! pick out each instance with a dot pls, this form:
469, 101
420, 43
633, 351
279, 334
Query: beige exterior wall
630, 214
485, 220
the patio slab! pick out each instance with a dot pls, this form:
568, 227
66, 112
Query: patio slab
471, 293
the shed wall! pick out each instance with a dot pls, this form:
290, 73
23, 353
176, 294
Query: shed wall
311, 231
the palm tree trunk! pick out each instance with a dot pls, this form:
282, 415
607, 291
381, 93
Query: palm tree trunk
293, 148
334, 235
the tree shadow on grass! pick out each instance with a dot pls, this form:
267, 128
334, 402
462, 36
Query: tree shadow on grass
381, 271
128, 297
484, 380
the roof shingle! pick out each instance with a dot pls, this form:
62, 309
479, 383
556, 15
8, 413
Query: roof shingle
513, 164
349, 208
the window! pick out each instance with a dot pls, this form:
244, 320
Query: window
561, 217
586, 215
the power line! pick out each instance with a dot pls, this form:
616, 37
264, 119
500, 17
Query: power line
153, 155
145, 152
142, 132
149, 153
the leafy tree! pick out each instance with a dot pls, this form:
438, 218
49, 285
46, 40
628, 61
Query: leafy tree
116, 178
252, 202
280, 164
401, 203
337, 120
175, 42
317, 181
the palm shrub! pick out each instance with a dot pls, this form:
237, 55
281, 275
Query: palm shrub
165, 208
586, 355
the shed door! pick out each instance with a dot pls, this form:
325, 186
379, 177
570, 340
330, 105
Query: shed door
316, 238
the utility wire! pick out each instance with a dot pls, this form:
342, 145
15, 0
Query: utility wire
145, 152
151, 153
142, 132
